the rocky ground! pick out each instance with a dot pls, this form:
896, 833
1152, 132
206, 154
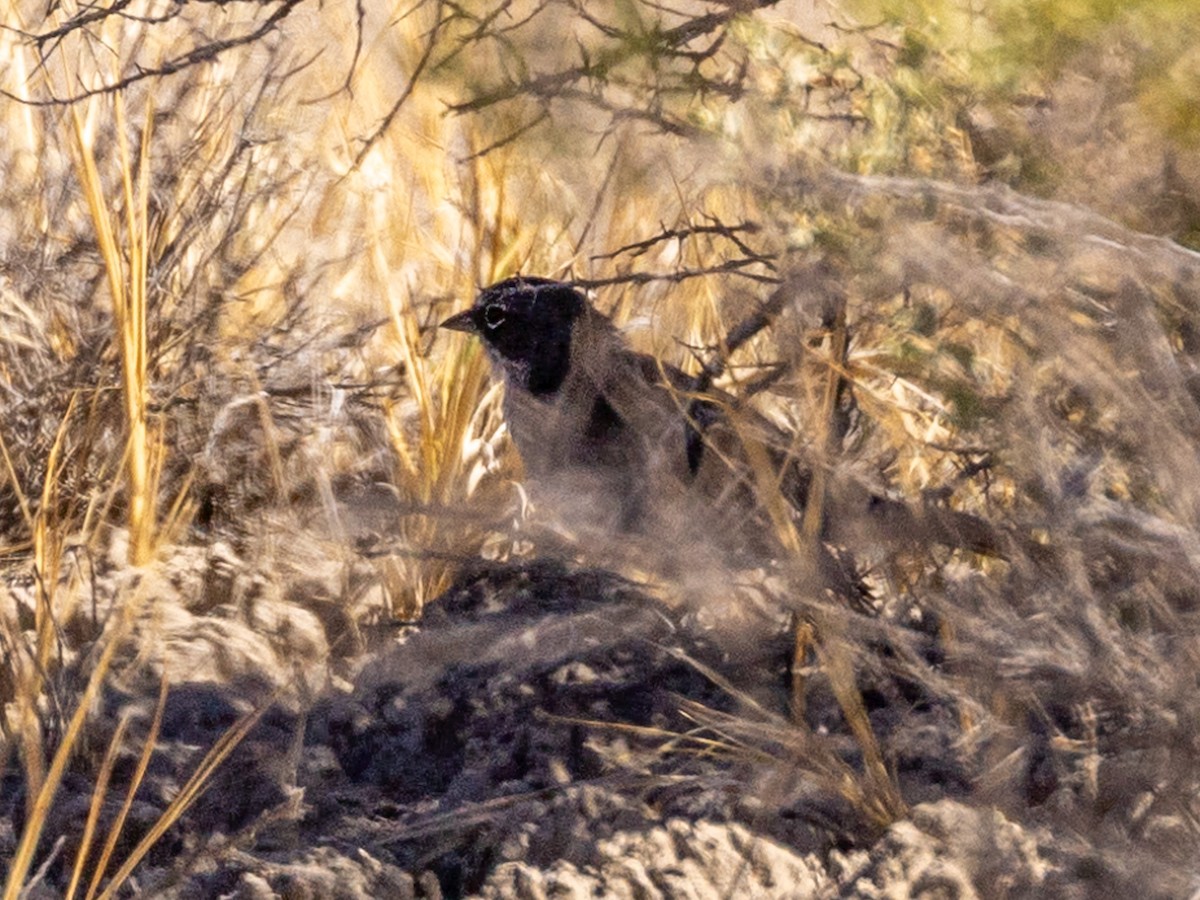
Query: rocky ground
545, 731
986, 218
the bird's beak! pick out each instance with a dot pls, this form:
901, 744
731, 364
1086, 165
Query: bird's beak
461, 322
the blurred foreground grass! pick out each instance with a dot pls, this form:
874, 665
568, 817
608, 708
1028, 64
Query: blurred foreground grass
227, 230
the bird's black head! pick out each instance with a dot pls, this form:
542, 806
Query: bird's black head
526, 326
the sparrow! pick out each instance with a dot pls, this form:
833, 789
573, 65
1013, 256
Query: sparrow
610, 436
620, 442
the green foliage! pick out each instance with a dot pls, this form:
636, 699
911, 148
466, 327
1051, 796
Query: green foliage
1051, 97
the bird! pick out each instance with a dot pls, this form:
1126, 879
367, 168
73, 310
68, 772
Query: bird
619, 442
609, 435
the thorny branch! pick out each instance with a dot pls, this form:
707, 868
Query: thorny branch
207, 52
728, 267
785, 293
680, 234
418, 70
599, 69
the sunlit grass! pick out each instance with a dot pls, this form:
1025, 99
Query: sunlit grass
409, 229
292, 219
126, 263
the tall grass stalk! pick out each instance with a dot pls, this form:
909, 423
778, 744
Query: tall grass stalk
127, 283
43, 795
28, 675
191, 791
98, 795
118, 825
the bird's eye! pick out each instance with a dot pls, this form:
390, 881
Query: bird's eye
493, 316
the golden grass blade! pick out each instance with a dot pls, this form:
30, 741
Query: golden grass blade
191, 791
803, 636
118, 825
400, 441
182, 507
98, 795
128, 286
10, 468
882, 798
724, 745
188, 794
47, 535
814, 512
47, 559
35, 820
28, 726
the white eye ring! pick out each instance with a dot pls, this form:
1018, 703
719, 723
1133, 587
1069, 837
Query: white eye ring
493, 315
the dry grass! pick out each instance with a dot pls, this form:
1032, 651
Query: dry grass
218, 288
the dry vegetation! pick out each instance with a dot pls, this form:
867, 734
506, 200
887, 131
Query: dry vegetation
227, 231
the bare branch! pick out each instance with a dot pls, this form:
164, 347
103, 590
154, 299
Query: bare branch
638, 248
197, 55
422, 63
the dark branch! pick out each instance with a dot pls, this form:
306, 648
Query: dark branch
638, 248
204, 53
391, 114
